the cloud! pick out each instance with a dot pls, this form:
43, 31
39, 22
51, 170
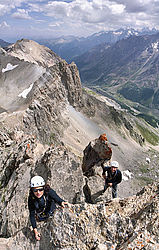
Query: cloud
35, 7
21, 14
138, 6
81, 10
7, 5
105, 14
3, 9
83, 17
4, 25
56, 24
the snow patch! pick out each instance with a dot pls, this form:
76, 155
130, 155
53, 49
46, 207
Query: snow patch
155, 46
126, 175
130, 32
117, 32
148, 160
9, 67
100, 33
26, 91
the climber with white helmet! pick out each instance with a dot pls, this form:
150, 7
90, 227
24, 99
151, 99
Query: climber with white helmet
113, 178
42, 202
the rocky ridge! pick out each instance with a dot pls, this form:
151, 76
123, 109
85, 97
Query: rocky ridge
33, 52
120, 224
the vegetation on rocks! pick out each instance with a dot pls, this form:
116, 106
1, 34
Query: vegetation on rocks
148, 135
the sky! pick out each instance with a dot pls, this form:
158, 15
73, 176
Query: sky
35, 19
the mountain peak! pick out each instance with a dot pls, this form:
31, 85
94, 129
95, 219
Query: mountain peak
31, 51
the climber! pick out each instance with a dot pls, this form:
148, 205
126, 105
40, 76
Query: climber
114, 177
41, 202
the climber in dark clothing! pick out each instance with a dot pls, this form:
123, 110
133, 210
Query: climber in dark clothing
42, 202
113, 178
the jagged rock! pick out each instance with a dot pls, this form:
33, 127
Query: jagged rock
33, 52
59, 86
118, 224
97, 151
25, 158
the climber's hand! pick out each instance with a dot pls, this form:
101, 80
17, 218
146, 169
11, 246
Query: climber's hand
65, 204
37, 235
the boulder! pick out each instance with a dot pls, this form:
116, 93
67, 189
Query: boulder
97, 152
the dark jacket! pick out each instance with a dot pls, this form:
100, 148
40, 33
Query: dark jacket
114, 178
43, 206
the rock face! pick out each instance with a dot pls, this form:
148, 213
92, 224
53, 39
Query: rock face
23, 158
33, 52
119, 224
15, 77
28, 68
97, 151
30, 139
59, 86
49, 83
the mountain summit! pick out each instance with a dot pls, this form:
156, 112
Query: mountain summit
26, 64
33, 52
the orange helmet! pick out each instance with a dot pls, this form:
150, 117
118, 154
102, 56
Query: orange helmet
103, 137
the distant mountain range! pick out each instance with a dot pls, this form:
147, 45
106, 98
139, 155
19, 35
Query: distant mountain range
4, 44
130, 67
70, 47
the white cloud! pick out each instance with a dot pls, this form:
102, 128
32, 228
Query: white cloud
137, 6
110, 13
35, 7
56, 24
7, 5
83, 17
117, 8
21, 14
3, 9
80, 10
4, 25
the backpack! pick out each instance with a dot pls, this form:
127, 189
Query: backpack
103, 148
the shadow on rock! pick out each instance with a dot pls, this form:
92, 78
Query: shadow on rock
29, 234
95, 197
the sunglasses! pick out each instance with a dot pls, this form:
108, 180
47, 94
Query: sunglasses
38, 189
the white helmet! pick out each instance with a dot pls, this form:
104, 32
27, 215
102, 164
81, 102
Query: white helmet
114, 164
37, 181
